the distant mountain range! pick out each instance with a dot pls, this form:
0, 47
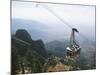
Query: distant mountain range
57, 47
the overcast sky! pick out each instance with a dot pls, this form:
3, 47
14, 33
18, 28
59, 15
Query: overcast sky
80, 17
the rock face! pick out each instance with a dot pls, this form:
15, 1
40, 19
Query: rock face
59, 67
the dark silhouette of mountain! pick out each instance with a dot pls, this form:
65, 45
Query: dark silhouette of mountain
27, 51
38, 45
23, 35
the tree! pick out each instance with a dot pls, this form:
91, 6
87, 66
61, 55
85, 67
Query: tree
34, 63
15, 61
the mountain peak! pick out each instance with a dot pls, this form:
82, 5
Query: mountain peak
23, 35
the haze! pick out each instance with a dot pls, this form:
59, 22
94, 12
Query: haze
77, 16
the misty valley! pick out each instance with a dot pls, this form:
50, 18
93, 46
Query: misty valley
37, 56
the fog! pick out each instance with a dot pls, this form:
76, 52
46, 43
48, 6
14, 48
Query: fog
42, 24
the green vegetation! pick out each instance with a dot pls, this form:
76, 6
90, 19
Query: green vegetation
26, 57
32, 56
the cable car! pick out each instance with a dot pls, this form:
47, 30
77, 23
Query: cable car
73, 50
